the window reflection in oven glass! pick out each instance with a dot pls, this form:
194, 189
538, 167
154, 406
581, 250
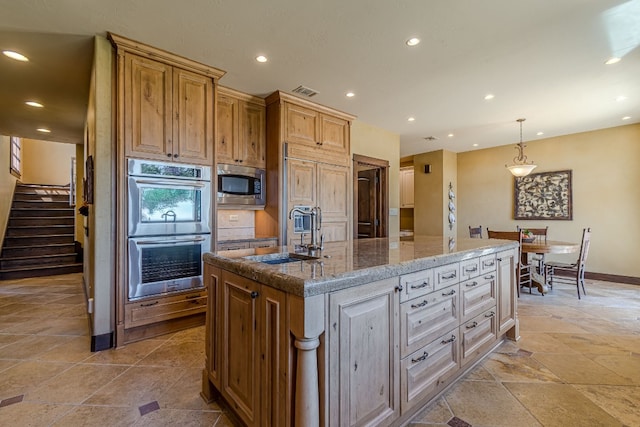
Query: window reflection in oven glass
158, 204
167, 263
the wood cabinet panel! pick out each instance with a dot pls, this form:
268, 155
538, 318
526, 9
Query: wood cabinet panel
363, 356
252, 147
334, 134
446, 275
148, 106
416, 284
226, 128
507, 290
165, 308
469, 268
477, 295
302, 184
333, 195
427, 371
213, 339
407, 187
477, 335
302, 125
241, 346
424, 318
487, 263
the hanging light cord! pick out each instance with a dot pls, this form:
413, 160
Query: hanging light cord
520, 158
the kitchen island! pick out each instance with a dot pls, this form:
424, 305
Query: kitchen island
364, 332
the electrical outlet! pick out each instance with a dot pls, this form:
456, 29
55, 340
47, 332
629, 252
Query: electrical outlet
233, 218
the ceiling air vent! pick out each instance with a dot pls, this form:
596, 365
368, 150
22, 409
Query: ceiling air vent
305, 91
430, 138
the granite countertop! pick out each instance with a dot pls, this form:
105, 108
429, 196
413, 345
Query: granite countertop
350, 263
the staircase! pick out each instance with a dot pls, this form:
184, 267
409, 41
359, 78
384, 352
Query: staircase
39, 240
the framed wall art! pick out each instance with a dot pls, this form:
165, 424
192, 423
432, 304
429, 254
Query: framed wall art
544, 196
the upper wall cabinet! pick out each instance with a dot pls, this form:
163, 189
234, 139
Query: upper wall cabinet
165, 104
240, 135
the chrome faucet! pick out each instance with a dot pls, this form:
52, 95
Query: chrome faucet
315, 217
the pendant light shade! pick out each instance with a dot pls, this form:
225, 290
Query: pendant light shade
520, 166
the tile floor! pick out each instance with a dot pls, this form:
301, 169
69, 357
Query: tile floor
577, 364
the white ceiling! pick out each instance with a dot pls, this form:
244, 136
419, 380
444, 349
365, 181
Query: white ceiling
543, 60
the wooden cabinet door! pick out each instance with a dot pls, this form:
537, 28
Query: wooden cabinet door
302, 184
364, 355
213, 327
334, 134
302, 125
252, 141
241, 346
193, 119
406, 188
274, 357
226, 129
333, 192
148, 105
507, 290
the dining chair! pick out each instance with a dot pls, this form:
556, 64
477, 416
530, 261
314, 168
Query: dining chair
571, 273
539, 235
523, 273
475, 232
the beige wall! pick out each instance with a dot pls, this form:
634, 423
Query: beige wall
367, 140
7, 185
605, 192
428, 194
45, 162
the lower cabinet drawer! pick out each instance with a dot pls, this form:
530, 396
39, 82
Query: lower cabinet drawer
446, 275
477, 334
272, 243
477, 295
223, 246
423, 319
165, 308
425, 372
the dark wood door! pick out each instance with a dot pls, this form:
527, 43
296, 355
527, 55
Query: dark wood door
367, 203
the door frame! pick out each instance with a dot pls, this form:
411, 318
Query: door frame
383, 192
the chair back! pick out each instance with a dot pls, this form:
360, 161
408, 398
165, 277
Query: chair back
507, 235
584, 247
539, 234
475, 232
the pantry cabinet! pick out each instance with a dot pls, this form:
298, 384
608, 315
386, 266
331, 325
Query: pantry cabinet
240, 134
406, 187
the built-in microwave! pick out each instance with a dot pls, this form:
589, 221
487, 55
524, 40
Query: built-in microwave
240, 187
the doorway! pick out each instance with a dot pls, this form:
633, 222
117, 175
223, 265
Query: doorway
370, 197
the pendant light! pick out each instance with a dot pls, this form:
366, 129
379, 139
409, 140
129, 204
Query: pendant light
520, 167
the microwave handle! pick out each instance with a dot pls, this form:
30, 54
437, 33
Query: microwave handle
164, 242
175, 183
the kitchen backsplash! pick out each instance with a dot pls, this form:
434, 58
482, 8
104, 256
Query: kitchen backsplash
233, 225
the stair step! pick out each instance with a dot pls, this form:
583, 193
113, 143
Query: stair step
47, 270
35, 261
27, 251
40, 204
36, 221
42, 212
42, 197
31, 231
12, 241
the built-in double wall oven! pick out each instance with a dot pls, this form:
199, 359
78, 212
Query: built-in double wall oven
169, 226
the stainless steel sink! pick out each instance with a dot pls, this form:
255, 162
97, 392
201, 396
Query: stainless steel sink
281, 258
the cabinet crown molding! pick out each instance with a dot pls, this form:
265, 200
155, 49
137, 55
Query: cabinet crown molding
123, 44
292, 99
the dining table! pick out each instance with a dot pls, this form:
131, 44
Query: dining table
541, 247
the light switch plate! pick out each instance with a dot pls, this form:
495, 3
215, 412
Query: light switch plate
393, 211
233, 217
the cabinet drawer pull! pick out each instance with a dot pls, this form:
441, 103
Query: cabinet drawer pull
192, 296
472, 284
489, 277
448, 294
422, 304
175, 156
420, 286
449, 277
168, 154
488, 263
399, 288
473, 325
254, 295
149, 304
471, 270
421, 358
452, 339
499, 259
490, 314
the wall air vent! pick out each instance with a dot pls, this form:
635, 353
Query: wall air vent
305, 91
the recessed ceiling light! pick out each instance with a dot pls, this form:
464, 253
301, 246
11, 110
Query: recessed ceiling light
43, 130
411, 119
489, 96
540, 133
261, 58
15, 55
620, 98
475, 145
612, 60
450, 135
413, 41
350, 94
34, 104
626, 117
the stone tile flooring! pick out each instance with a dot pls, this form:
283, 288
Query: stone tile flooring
577, 364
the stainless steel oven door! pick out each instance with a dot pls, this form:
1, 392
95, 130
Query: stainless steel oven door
164, 206
161, 265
